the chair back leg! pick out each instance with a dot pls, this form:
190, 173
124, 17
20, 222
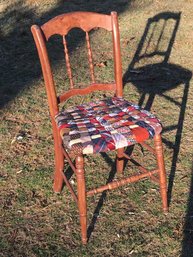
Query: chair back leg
120, 160
59, 163
162, 172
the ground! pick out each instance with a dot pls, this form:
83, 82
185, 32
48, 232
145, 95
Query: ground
157, 54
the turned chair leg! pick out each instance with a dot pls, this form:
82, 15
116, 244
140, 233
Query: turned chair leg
120, 160
81, 188
162, 172
59, 165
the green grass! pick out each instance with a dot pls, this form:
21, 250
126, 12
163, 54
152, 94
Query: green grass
37, 222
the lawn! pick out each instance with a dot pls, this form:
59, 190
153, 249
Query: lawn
129, 221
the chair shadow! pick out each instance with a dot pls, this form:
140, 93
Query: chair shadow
152, 74
187, 243
19, 63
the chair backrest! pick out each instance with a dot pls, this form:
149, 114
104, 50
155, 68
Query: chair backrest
61, 25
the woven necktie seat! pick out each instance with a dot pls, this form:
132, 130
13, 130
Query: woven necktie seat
105, 125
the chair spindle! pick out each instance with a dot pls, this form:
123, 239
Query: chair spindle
68, 66
90, 59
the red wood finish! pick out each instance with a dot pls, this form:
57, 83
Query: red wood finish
59, 160
120, 160
117, 55
68, 66
121, 182
162, 172
86, 21
90, 58
148, 147
81, 188
46, 69
87, 90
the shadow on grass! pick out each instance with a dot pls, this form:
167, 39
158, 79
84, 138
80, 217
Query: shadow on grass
19, 63
187, 244
102, 198
157, 76
103, 195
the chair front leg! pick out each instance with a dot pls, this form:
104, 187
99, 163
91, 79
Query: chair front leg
81, 188
162, 172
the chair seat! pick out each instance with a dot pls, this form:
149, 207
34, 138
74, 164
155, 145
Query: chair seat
105, 125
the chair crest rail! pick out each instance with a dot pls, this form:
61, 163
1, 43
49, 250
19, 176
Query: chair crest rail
62, 24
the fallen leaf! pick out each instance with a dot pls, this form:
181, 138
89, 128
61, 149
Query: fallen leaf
101, 64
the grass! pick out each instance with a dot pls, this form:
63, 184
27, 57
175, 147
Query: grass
37, 222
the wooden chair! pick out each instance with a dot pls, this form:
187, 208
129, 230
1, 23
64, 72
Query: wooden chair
101, 126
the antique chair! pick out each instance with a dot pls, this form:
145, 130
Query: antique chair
105, 125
